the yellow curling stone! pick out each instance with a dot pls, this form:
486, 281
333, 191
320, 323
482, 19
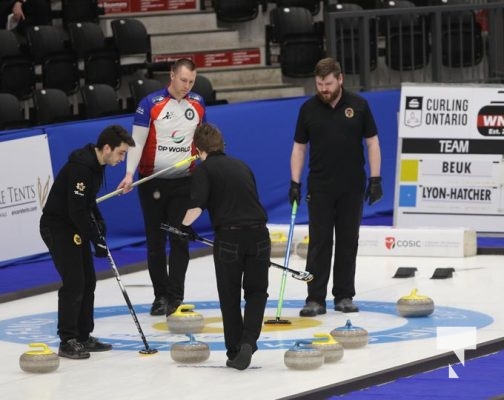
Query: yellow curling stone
41, 360
185, 320
278, 244
302, 247
331, 349
415, 305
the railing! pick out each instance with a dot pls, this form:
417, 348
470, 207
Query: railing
383, 47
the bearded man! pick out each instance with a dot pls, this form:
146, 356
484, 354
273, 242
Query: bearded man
336, 124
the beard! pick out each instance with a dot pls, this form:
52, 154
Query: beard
329, 97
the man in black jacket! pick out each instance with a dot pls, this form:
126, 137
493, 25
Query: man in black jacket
71, 221
226, 187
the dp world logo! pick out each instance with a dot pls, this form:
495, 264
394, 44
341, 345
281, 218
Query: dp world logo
390, 242
176, 137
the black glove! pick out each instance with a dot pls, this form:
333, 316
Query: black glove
102, 228
295, 192
189, 233
100, 247
374, 190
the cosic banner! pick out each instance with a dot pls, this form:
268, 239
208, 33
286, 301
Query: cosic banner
26, 177
450, 169
417, 242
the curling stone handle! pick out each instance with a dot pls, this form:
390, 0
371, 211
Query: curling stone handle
184, 309
43, 349
279, 236
191, 337
327, 338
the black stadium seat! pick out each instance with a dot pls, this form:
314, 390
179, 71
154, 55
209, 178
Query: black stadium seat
44, 41
407, 44
9, 44
51, 50
204, 88
61, 71
17, 76
132, 43
301, 40
51, 106
103, 67
86, 38
101, 62
100, 100
139, 88
11, 113
462, 40
348, 40
235, 10
312, 5
17, 73
80, 11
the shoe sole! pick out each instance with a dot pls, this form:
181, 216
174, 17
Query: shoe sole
76, 357
157, 313
242, 359
311, 313
170, 312
346, 310
97, 350
172, 307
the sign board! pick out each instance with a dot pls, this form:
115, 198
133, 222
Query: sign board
220, 58
26, 177
416, 242
450, 169
402, 242
128, 6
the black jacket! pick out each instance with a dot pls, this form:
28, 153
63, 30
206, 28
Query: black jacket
72, 198
226, 186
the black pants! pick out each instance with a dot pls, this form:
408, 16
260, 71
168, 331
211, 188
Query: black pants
329, 214
242, 255
73, 260
165, 201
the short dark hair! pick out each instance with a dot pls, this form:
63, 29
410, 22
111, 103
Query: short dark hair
114, 135
183, 62
208, 138
327, 66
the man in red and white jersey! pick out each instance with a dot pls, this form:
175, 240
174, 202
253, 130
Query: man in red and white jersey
163, 129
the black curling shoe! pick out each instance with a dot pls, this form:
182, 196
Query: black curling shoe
242, 359
94, 345
73, 349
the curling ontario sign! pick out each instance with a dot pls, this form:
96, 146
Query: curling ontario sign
451, 157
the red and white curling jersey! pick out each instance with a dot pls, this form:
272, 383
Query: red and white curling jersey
166, 126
